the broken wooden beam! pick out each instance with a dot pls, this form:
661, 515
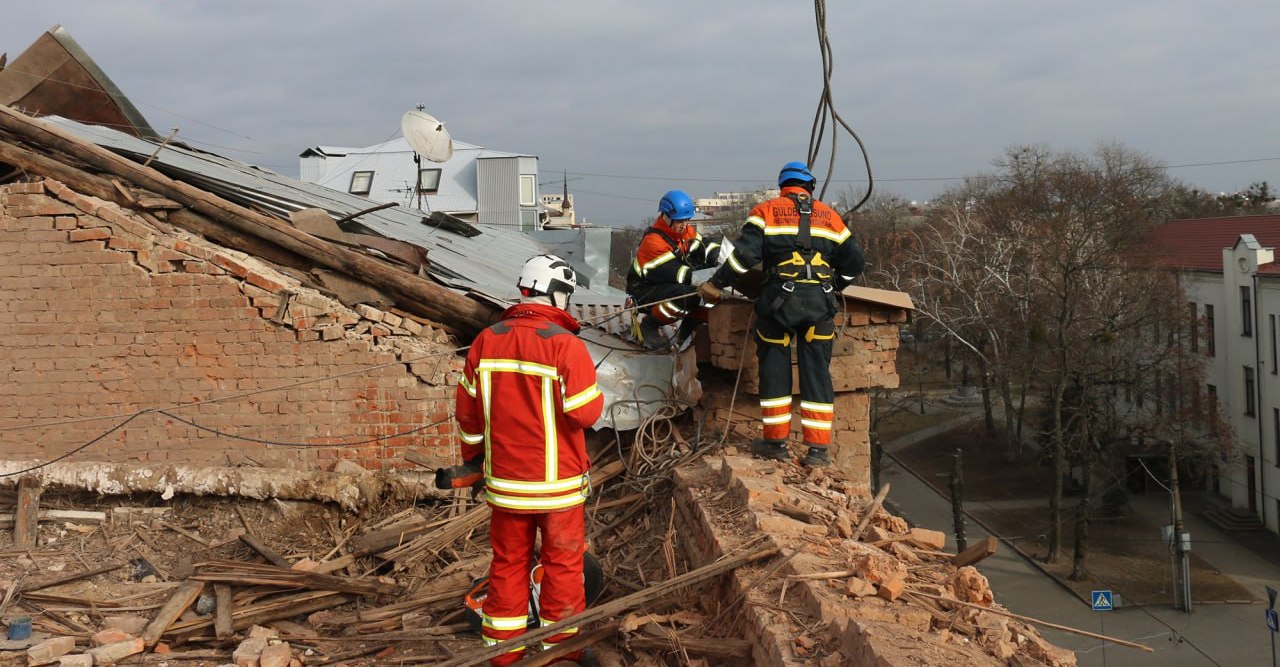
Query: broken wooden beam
871, 512
26, 516
377, 541
454, 311
1028, 619
549, 656
83, 516
235, 572
713, 647
184, 597
30, 586
976, 553
752, 552
274, 609
265, 551
222, 611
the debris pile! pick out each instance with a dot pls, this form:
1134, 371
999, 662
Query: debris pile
858, 584
723, 560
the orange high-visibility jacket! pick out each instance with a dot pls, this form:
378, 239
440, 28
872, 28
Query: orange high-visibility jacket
665, 257
528, 390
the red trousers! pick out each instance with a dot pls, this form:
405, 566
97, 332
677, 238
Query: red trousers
506, 609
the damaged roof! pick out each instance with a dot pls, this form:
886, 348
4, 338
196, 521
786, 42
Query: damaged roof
56, 75
484, 264
480, 260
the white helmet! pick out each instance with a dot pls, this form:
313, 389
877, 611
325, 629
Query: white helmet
548, 275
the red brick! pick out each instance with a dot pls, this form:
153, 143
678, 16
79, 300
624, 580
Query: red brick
33, 187
265, 282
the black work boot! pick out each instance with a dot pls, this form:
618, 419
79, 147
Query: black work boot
817, 457
770, 449
650, 334
687, 326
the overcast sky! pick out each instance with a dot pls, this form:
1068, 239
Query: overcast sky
635, 98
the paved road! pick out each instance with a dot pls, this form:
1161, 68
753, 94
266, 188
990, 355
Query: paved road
1213, 634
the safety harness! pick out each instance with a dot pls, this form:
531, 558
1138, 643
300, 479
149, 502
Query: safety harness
805, 264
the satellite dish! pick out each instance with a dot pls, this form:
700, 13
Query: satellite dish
427, 136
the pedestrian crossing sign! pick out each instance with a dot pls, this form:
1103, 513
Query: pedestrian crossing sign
1101, 600
1272, 621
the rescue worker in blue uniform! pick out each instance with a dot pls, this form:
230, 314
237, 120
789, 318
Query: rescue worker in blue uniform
807, 255
661, 275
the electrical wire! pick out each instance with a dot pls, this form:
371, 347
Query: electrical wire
827, 110
168, 410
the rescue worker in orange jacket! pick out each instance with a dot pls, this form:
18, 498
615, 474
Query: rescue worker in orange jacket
807, 254
662, 272
528, 391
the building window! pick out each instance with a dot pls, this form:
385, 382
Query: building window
1212, 392
1246, 312
428, 180
1275, 430
1193, 326
528, 190
1250, 406
1209, 337
1272, 318
528, 220
361, 183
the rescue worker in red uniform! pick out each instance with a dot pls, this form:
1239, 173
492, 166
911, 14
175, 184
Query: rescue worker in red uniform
669, 252
807, 254
528, 391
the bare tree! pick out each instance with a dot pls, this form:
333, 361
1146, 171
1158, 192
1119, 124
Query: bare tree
1040, 271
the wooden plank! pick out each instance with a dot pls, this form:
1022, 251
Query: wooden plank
976, 552
716, 647
265, 551
871, 512
1028, 619
184, 597
222, 613
265, 612
273, 575
26, 516
382, 539
548, 656
7, 520
30, 586
753, 552
416, 457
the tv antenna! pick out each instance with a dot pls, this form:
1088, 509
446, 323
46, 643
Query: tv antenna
428, 138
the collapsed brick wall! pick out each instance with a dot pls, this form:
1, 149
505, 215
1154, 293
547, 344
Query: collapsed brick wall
106, 313
863, 357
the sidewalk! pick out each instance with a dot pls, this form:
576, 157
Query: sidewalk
1217, 634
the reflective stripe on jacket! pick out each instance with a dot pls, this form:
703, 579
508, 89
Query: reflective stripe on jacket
527, 392
769, 238
664, 258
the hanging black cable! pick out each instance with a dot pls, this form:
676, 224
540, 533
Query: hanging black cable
826, 108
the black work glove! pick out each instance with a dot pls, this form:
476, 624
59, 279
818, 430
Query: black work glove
470, 473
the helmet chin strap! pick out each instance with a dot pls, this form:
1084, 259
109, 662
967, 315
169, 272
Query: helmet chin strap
558, 299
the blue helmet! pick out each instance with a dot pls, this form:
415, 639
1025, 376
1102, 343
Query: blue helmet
796, 171
676, 205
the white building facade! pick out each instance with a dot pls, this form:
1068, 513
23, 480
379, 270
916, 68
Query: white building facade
1237, 304
476, 184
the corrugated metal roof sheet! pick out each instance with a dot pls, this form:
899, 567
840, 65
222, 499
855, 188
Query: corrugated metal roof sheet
486, 264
